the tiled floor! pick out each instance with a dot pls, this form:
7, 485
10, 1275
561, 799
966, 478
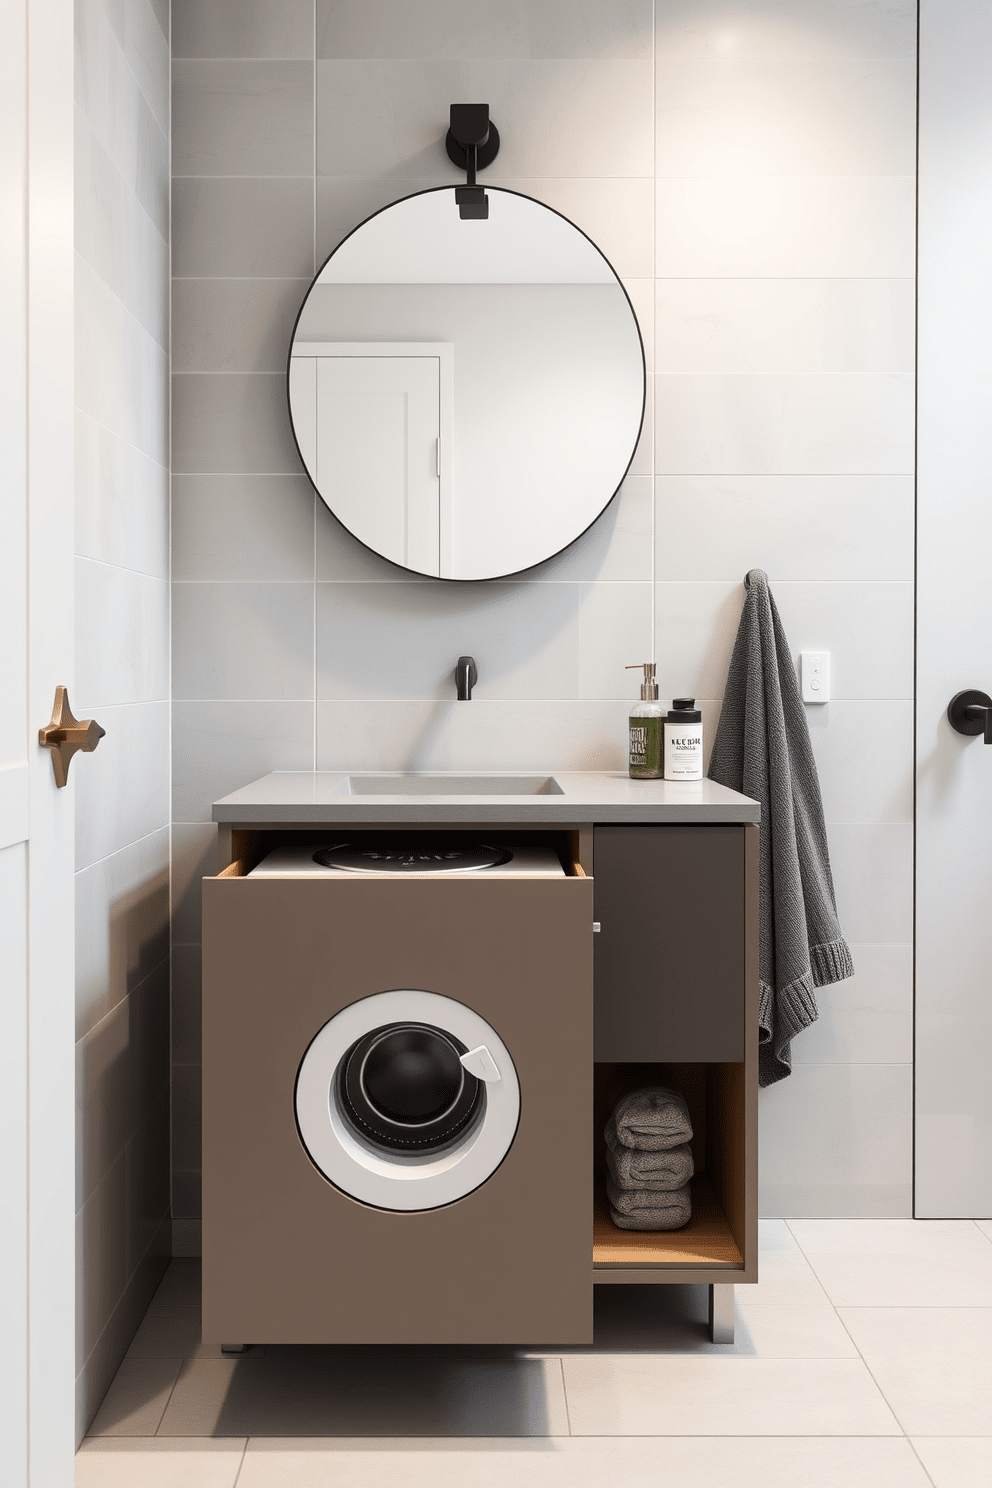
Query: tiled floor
863, 1359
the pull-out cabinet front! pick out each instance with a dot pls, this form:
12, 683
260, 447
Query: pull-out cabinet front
288, 1257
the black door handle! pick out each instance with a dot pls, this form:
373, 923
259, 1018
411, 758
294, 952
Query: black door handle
971, 713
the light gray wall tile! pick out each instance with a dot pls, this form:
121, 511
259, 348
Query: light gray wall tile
529, 639
873, 878
186, 1140
121, 371
864, 758
615, 211
102, 1112
219, 747
242, 641
786, 226
194, 857
242, 527
499, 734
807, 526
384, 117
776, 36
101, 1258
784, 425
477, 28
109, 96
236, 117
122, 926
117, 238
247, 28
836, 1139
720, 326
161, 9
869, 1018
122, 791
122, 501
147, 1185
231, 422
256, 227
122, 637
234, 325
145, 49
867, 628
187, 1043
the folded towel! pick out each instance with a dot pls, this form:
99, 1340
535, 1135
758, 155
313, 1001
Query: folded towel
641, 1209
630, 1168
762, 748
652, 1120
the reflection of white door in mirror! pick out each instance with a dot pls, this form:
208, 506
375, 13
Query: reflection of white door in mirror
373, 423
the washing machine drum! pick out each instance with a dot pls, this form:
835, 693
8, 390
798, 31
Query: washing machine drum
407, 1100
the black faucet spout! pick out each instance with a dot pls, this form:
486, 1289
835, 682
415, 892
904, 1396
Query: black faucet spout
466, 676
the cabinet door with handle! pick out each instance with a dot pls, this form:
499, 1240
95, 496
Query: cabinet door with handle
670, 957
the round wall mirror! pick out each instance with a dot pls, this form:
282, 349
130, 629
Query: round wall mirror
466, 396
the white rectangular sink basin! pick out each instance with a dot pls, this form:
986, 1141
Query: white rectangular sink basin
449, 785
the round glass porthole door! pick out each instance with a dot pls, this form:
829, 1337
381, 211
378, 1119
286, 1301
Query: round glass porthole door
407, 1100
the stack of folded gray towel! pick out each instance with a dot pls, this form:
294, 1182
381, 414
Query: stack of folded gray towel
649, 1162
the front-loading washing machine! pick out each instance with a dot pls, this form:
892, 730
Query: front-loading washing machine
397, 1066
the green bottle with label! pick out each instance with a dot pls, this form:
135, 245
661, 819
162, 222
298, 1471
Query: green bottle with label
645, 747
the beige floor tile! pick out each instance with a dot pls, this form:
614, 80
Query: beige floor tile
150, 1462
898, 1262
370, 1392
985, 1225
956, 1461
134, 1403
675, 1320
933, 1364
785, 1274
784, 1331
583, 1463
637, 1395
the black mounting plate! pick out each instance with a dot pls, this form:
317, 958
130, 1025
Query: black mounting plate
487, 153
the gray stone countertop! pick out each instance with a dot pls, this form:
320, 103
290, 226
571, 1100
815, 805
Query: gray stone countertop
572, 798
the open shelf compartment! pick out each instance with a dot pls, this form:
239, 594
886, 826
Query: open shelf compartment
717, 1235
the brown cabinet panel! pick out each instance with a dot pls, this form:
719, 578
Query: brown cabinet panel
670, 955
287, 1257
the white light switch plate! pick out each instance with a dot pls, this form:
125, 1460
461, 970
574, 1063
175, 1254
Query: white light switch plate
814, 672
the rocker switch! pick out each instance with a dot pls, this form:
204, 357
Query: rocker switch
480, 1063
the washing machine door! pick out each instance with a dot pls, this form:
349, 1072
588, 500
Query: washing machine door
407, 1100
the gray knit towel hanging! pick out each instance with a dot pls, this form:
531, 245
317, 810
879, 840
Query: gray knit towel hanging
763, 749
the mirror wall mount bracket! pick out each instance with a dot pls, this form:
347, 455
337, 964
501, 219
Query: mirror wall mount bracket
472, 143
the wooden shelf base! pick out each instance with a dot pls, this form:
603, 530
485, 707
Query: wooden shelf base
705, 1241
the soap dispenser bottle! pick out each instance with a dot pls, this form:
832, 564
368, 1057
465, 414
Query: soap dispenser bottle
684, 741
645, 728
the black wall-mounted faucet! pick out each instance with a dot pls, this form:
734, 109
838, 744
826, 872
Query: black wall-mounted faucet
466, 676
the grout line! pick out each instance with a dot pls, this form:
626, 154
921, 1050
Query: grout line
564, 1394
244, 1453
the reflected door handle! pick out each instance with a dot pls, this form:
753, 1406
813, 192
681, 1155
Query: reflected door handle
66, 734
971, 713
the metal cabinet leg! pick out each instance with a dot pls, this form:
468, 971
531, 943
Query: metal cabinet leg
721, 1313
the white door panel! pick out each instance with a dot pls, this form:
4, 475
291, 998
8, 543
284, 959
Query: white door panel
37, 1228
954, 805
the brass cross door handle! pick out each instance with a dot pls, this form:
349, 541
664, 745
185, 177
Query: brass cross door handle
65, 734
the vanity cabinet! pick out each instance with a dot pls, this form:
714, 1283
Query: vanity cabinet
667, 920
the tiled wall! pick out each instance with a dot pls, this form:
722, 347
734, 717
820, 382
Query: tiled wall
122, 675
749, 170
